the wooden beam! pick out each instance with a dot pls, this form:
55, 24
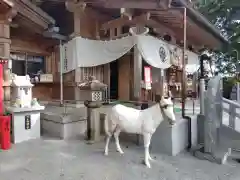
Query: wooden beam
73, 6
144, 19
33, 13
10, 3
24, 22
156, 25
8, 16
150, 4
173, 19
126, 12
81, 7
125, 21
11, 14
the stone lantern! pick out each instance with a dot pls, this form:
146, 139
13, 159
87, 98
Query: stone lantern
93, 93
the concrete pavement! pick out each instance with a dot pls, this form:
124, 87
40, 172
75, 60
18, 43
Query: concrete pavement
52, 159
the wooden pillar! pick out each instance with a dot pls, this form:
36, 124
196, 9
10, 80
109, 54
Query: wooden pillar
161, 82
77, 9
5, 42
106, 77
112, 33
137, 76
119, 31
77, 23
77, 32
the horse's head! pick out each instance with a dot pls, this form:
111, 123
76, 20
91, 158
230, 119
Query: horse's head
166, 105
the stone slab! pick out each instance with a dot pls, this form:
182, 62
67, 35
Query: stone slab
74, 130
62, 123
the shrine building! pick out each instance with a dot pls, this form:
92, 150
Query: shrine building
26, 45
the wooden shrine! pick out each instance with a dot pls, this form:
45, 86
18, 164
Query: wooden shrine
23, 44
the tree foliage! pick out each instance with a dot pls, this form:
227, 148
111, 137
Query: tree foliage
221, 14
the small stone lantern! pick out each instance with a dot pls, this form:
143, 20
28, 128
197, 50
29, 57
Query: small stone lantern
94, 89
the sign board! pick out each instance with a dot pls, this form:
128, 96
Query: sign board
46, 78
28, 122
147, 77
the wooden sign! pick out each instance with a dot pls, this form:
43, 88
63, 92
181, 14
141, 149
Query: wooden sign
46, 78
28, 122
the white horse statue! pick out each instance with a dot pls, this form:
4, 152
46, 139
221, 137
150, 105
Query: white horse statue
144, 122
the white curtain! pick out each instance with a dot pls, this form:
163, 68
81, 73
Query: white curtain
154, 51
88, 53
81, 52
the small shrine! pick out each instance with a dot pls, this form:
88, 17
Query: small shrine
25, 110
21, 89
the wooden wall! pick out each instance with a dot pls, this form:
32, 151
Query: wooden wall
39, 46
30, 46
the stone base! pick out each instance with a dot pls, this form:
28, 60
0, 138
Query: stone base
64, 127
168, 140
19, 131
173, 140
200, 127
219, 157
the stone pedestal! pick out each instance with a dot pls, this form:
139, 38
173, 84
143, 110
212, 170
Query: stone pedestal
173, 140
72, 125
92, 118
95, 89
25, 123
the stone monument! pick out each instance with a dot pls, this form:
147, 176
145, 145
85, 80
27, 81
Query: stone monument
25, 110
211, 124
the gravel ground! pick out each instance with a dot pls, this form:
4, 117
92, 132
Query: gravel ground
51, 159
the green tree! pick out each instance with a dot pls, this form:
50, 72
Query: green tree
220, 13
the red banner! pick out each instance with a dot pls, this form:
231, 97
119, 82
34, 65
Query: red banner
147, 77
147, 74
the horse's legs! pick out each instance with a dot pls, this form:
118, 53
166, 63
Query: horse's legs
116, 136
147, 140
150, 158
107, 143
